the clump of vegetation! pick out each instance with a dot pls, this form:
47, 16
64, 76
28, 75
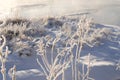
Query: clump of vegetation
16, 21
18, 28
11, 32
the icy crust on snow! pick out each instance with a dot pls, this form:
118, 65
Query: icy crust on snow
103, 43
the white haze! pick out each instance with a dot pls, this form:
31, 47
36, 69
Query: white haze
103, 11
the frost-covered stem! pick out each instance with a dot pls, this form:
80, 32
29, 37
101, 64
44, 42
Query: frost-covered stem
88, 67
80, 49
63, 75
14, 73
52, 51
3, 44
3, 57
45, 60
83, 72
76, 57
72, 62
75, 65
63, 67
3, 69
85, 75
72, 70
45, 63
56, 59
45, 72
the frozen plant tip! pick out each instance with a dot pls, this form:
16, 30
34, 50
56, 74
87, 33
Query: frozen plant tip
13, 70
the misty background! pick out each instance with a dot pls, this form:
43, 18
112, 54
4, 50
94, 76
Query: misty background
103, 11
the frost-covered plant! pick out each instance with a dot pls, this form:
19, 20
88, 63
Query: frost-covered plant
97, 35
20, 29
82, 32
58, 64
62, 58
3, 56
11, 32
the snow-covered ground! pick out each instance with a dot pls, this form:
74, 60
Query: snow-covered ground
104, 45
